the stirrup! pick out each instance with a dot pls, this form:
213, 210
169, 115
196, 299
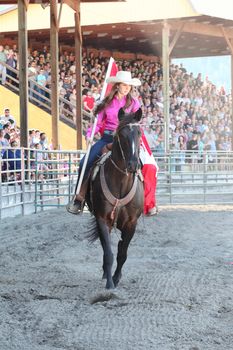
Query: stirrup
75, 207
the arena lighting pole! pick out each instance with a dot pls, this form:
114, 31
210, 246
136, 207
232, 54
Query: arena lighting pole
54, 28
23, 71
165, 58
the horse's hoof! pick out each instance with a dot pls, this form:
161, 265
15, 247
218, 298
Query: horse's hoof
116, 280
110, 285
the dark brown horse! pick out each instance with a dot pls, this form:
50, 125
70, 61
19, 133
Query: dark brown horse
115, 196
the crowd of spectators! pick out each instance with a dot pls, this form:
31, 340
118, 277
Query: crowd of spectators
200, 114
10, 151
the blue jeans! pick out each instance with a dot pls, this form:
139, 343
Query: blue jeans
95, 153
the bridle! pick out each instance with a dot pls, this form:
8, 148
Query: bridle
125, 171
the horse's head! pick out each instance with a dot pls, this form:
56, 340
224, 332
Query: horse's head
128, 136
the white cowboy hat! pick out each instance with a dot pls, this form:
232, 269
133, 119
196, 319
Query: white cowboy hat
124, 77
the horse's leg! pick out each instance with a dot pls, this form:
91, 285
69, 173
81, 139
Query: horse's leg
126, 236
104, 269
108, 255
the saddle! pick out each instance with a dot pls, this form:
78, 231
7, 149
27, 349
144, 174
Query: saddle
98, 164
101, 161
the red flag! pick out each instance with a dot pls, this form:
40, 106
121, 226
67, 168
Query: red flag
150, 173
111, 72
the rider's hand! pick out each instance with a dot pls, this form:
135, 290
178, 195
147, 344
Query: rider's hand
98, 136
105, 150
88, 140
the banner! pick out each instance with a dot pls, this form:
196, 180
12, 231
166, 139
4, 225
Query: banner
111, 72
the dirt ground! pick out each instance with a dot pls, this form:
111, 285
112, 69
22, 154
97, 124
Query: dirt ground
176, 291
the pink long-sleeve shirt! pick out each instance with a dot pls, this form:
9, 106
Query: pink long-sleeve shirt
109, 115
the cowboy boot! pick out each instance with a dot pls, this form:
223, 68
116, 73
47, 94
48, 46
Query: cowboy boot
77, 203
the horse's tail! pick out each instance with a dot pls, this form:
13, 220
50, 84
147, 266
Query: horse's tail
93, 232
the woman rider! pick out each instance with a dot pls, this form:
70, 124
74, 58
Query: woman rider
119, 97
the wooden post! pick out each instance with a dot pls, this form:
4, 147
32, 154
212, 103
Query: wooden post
230, 46
23, 72
78, 64
232, 102
54, 73
165, 58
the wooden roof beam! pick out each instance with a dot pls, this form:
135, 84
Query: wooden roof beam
53, 5
26, 3
71, 3
60, 11
202, 29
229, 43
175, 38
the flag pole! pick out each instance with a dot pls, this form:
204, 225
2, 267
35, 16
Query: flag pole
93, 128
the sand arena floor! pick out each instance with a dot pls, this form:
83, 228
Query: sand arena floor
176, 291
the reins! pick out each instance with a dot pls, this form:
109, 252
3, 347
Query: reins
125, 172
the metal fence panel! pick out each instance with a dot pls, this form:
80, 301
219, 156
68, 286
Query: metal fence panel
35, 180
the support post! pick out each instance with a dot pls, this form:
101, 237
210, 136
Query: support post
165, 58
23, 72
54, 73
230, 46
78, 70
232, 102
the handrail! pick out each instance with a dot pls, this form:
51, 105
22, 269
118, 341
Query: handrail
9, 67
62, 100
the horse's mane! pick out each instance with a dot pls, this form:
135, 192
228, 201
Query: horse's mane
128, 118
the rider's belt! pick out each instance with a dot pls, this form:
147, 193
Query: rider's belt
108, 132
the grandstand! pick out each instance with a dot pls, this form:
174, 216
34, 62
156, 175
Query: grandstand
183, 22
195, 105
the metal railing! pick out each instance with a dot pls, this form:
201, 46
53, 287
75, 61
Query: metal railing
41, 97
195, 178
35, 180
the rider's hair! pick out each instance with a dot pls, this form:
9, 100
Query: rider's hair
108, 99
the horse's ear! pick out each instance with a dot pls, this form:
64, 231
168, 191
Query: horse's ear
121, 114
138, 115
